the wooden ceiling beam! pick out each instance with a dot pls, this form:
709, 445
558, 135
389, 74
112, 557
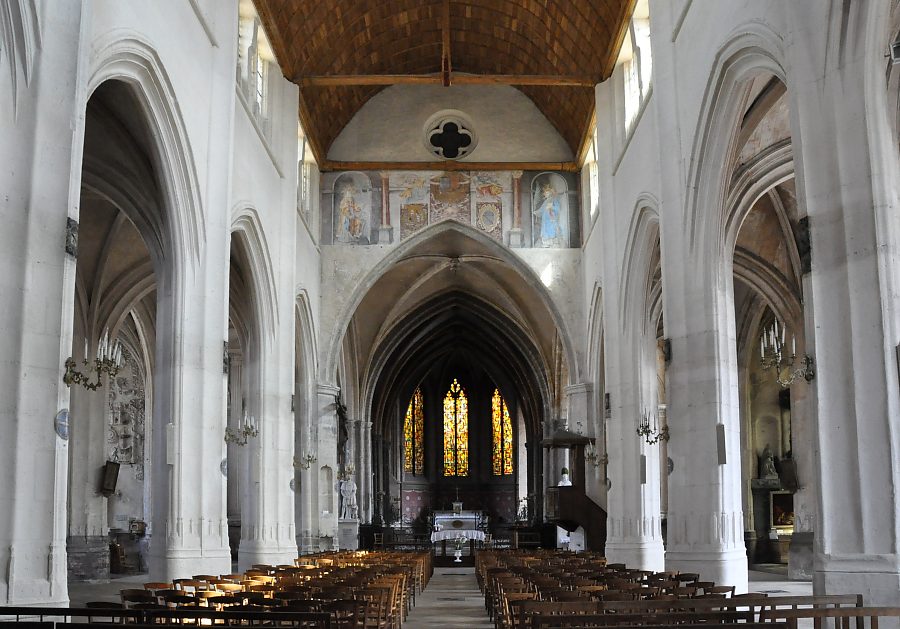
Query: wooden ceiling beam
547, 80
332, 165
446, 66
624, 21
369, 79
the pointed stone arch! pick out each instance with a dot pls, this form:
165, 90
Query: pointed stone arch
750, 49
247, 228
643, 235
528, 276
125, 56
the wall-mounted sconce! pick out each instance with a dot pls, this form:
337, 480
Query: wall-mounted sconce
773, 355
108, 360
650, 430
245, 431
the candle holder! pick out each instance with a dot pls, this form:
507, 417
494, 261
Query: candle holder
772, 355
304, 462
108, 361
651, 434
245, 431
591, 457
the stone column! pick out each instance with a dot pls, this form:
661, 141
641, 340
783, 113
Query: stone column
583, 410
705, 517
267, 512
385, 230
40, 189
848, 185
365, 472
235, 459
802, 433
327, 467
190, 525
307, 489
516, 238
705, 528
88, 541
634, 533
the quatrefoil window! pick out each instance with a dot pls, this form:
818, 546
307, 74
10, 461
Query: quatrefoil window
449, 136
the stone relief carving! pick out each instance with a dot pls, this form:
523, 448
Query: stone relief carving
126, 416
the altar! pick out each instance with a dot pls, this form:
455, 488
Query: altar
457, 521
450, 526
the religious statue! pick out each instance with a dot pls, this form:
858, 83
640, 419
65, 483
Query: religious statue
767, 464
343, 436
564, 481
349, 509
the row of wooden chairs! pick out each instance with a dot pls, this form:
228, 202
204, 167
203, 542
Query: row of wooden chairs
527, 590
371, 590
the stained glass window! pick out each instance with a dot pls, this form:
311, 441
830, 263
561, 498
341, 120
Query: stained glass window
456, 431
414, 436
502, 450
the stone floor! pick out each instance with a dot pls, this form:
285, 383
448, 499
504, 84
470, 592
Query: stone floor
452, 600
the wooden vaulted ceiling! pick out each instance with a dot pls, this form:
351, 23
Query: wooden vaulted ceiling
553, 50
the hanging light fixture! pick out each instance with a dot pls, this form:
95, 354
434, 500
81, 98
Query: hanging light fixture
592, 458
108, 360
650, 430
773, 355
245, 431
304, 462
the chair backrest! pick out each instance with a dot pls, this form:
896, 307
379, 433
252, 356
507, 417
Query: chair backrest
840, 616
158, 585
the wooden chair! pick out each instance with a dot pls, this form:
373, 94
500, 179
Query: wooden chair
103, 605
840, 616
178, 599
347, 614
162, 594
507, 616
203, 597
377, 608
531, 610
190, 585
132, 597
228, 587
727, 590
153, 586
302, 606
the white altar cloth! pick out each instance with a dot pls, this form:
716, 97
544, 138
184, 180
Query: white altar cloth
452, 534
